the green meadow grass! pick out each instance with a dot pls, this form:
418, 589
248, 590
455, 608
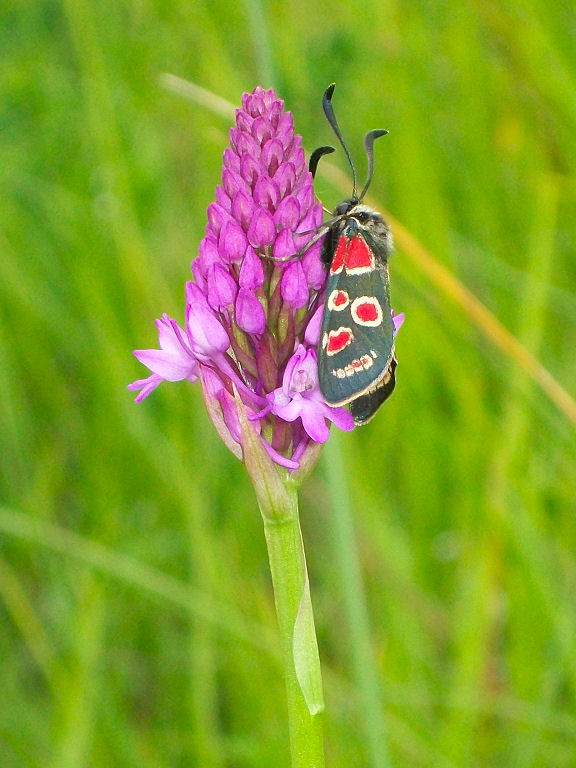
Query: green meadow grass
137, 625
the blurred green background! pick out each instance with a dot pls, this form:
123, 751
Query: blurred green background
137, 626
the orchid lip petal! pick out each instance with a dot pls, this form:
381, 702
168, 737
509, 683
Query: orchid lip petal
144, 386
341, 417
314, 423
174, 360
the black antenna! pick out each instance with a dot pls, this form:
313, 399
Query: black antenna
331, 117
369, 139
315, 158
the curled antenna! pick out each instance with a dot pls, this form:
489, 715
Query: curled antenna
369, 139
315, 158
331, 117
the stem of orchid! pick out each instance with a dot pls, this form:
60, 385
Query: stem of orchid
297, 632
277, 496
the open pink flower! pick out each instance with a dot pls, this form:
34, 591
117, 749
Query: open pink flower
174, 360
299, 397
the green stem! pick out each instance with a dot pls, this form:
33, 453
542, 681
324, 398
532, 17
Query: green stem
297, 634
277, 498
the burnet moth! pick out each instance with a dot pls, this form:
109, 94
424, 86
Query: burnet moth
356, 360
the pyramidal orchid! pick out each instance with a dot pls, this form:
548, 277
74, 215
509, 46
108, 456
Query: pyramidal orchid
253, 310
252, 324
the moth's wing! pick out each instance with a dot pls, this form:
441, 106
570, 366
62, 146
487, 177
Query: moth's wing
350, 371
364, 407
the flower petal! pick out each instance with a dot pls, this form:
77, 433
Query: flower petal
398, 321
232, 242
267, 194
217, 216
168, 365
251, 272
314, 269
294, 286
262, 229
287, 213
284, 247
211, 389
312, 332
145, 386
206, 334
341, 417
250, 169
314, 422
222, 288
272, 156
170, 335
250, 314
291, 410
285, 178
243, 207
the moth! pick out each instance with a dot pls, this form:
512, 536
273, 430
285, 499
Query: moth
356, 357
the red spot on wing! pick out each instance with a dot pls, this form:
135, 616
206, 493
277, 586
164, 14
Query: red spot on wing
367, 312
339, 256
337, 300
354, 255
359, 255
337, 340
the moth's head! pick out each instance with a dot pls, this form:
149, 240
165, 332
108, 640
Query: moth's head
364, 215
354, 208
345, 206
357, 218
